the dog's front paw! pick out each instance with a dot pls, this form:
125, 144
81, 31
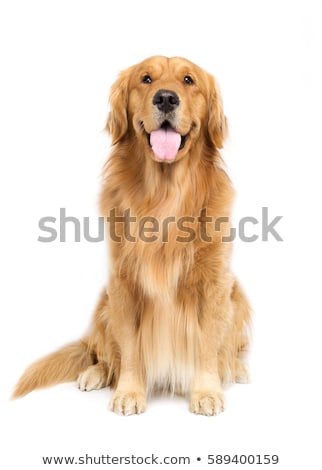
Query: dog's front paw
128, 403
207, 403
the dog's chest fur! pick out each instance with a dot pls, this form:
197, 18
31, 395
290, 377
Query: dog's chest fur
168, 335
168, 341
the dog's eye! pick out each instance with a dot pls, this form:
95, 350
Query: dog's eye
188, 80
147, 79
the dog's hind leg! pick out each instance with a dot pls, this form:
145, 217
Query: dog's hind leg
94, 377
242, 332
105, 370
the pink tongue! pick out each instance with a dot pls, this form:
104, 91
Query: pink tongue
165, 143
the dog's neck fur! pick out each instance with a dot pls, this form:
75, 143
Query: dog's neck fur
150, 189
181, 188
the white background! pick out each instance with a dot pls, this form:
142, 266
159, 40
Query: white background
58, 60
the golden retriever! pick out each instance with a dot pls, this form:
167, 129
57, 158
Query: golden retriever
173, 317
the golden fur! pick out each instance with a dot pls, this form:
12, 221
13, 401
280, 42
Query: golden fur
173, 316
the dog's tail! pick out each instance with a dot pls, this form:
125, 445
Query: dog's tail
63, 365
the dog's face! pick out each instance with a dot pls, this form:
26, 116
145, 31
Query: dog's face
168, 103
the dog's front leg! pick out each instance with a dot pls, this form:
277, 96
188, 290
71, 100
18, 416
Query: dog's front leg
206, 392
130, 394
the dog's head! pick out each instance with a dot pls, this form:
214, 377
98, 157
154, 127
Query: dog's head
168, 103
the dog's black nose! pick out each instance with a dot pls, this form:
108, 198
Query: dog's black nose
166, 100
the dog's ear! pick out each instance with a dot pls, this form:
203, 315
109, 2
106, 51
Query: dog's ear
217, 121
117, 121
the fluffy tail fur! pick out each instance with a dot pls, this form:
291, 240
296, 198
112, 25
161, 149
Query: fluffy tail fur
63, 365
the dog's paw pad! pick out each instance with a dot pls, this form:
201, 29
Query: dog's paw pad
128, 403
207, 403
